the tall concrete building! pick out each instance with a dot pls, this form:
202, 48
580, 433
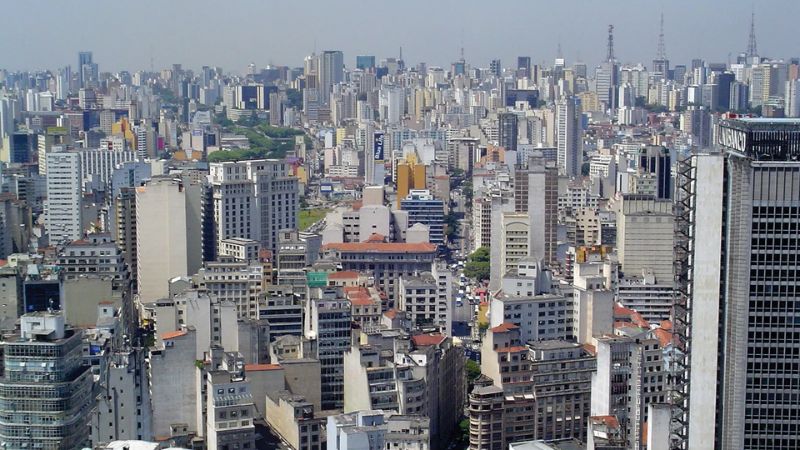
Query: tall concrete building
569, 136
169, 234
63, 206
45, 390
536, 190
737, 249
277, 199
233, 194
645, 236
331, 72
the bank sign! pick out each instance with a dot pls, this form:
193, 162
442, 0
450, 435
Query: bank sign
377, 146
764, 144
733, 139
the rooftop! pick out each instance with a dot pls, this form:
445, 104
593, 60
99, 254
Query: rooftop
381, 247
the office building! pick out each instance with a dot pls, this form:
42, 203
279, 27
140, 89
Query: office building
507, 128
63, 205
277, 199
229, 404
331, 72
167, 245
645, 236
239, 282
386, 262
569, 136
737, 286
329, 323
45, 361
377, 430
233, 194
423, 208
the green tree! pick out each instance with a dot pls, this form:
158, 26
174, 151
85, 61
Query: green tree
473, 370
478, 265
294, 98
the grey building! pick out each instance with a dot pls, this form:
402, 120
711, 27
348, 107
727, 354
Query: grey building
737, 248
45, 391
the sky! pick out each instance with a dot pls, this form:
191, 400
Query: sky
140, 34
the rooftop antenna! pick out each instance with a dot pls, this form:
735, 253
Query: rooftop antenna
558, 50
662, 52
610, 56
752, 49
401, 53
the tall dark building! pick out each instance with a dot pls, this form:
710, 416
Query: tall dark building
507, 130
724, 81
737, 313
655, 161
523, 67
21, 144
495, 67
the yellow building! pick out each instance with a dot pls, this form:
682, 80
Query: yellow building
123, 127
410, 175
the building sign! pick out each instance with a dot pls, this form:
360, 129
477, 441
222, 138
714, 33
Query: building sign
377, 146
760, 139
733, 139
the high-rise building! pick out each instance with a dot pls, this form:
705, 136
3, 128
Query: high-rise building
645, 236
536, 189
524, 67
167, 245
569, 136
45, 389
277, 199
423, 208
365, 62
495, 68
233, 194
63, 205
507, 129
328, 321
331, 72
87, 70
737, 246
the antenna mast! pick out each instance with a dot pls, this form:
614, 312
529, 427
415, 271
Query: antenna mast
752, 49
610, 56
662, 52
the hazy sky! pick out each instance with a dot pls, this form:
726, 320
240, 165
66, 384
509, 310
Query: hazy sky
232, 33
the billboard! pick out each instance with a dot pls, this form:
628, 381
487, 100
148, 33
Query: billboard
377, 146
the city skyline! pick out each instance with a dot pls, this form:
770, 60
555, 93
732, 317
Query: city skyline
203, 35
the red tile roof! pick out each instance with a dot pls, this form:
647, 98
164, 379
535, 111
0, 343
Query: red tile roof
376, 237
343, 275
382, 247
512, 349
504, 327
590, 348
426, 340
172, 335
391, 314
261, 367
609, 421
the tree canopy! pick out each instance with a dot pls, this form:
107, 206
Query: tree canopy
477, 266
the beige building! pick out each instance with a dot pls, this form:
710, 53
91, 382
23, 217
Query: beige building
168, 233
645, 236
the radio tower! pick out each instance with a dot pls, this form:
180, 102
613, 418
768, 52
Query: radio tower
610, 56
752, 50
662, 52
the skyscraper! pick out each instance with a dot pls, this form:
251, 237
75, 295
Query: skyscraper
45, 390
523, 67
569, 135
507, 131
496, 68
168, 233
63, 206
87, 70
737, 250
331, 72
